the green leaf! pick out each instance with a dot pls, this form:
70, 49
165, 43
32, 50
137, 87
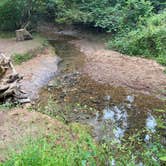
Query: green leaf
163, 158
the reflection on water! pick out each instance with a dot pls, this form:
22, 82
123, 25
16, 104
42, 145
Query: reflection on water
118, 116
111, 111
112, 123
108, 114
151, 123
130, 99
150, 126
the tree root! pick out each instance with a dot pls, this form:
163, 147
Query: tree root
10, 89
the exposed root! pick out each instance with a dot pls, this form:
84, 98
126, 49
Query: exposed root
10, 89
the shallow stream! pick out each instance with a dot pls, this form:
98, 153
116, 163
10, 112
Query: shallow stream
111, 112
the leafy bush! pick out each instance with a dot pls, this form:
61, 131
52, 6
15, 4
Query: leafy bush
148, 40
112, 16
9, 15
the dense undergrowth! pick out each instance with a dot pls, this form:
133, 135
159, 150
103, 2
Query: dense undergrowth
148, 40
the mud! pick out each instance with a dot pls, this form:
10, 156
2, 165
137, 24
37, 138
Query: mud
135, 73
111, 111
38, 71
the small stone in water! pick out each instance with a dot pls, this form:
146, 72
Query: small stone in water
130, 99
147, 138
151, 123
107, 98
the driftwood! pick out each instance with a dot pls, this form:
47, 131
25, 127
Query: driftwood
10, 89
23, 34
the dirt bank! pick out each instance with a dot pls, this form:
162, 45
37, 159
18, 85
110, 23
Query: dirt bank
18, 125
10, 46
111, 67
38, 71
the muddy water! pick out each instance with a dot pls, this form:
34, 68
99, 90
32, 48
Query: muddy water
111, 112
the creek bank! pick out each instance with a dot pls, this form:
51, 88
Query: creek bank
135, 73
38, 71
110, 67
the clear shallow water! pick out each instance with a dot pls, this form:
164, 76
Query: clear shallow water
112, 112
114, 122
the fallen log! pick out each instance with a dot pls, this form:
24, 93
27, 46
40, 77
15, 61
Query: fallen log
10, 89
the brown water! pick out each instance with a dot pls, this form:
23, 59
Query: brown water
112, 112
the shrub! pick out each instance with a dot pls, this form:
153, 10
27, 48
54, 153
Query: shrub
112, 16
84, 151
148, 40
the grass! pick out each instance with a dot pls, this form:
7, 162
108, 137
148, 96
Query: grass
66, 152
81, 150
6, 35
20, 58
6, 106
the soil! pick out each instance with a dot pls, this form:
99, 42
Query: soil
102, 65
38, 71
135, 73
18, 125
11, 46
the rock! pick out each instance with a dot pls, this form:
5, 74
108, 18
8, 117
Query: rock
107, 98
130, 99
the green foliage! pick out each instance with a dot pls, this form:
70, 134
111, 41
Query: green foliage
9, 15
148, 40
6, 106
15, 14
64, 151
123, 17
158, 5
112, 16
163, 158
44, 152
20, 58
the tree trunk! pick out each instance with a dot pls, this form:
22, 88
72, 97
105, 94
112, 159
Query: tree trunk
23, 34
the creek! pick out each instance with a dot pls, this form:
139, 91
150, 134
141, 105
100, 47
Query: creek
111, 112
